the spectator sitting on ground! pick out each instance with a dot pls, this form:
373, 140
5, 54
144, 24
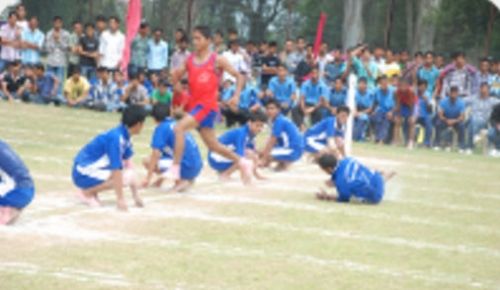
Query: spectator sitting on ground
45, 86
162, 95
406, 113
135, 93
120, 83
283, 89
451, 116
76, 89
383, 113
313, 94
480, 108
364, 109
14, 83
103, 93
494, 132
425, 113
337, 96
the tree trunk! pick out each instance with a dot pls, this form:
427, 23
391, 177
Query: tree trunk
353, 31
489, 32
410, 17
389, 17
189, 18
425, 29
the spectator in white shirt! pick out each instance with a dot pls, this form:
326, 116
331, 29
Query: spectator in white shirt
111, 45
236, 59
22, 22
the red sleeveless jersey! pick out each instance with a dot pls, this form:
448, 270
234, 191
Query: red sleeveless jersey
203, 82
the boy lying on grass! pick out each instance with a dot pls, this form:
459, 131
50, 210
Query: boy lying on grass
352, 180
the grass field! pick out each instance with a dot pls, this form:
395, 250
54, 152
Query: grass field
438, 227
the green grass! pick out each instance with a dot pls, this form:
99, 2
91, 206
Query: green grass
438, 227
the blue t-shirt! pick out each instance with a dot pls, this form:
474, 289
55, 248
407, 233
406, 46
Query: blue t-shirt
452, 110
364, 100
282, 91
164, 140
227, 93
384, 99
287, 134
249, 97
338, 98
423, 101
12, 165
238, 139
334, 70
430, 75
313, 92
45, 85
107, 150
327, 128
353, 179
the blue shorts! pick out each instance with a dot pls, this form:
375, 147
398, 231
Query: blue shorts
17, 198
377, 194
286, 154
219, 163
204, 116
189, 170
407, 111
86, 181
314, 145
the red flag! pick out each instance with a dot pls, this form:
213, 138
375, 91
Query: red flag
319, 34
133, 22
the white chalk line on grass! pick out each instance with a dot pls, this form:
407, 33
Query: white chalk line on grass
76, 233
87, 276
172, 212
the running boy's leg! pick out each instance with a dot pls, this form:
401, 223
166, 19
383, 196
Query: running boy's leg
187, 123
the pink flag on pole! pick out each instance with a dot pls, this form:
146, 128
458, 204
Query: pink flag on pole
133, 22
319, 34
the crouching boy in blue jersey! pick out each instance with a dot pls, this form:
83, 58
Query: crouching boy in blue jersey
352, 180
327, 136
241, 141
161, 158
286, 144
16, 185
104, 163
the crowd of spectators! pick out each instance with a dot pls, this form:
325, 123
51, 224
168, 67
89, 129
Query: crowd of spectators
400, 98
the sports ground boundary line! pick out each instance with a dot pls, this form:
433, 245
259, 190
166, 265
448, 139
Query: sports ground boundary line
435, 277
164, 212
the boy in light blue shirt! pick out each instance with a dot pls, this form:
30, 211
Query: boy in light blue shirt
451, 116
314, 93
283, 89
364, 107
384, 109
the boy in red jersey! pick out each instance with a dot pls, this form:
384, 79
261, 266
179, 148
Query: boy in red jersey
204, 68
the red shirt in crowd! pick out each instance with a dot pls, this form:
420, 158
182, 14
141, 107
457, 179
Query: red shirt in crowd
406, 97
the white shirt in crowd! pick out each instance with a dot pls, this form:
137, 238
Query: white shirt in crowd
22, 24
111, 47
237, 61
